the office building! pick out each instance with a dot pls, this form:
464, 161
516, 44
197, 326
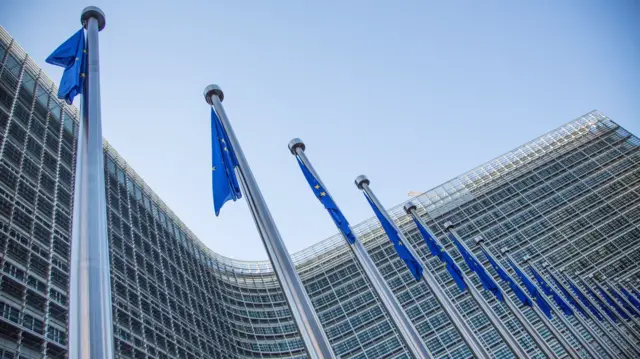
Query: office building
571, 195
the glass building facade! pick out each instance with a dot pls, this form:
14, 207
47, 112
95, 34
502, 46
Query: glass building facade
570, 197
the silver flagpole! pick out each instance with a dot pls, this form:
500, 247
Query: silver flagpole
586, 326
409, 334
624, 299
362, 182
537, 338
586, 346
411, 209
630, 328
309, 326
549, 324
623, 350
627, 337
90, 322
505, 334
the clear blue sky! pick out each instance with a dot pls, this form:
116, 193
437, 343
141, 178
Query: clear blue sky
411, 94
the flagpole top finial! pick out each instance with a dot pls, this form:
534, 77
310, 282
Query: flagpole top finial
478, 239
295, 144
448, 225
409, 206
526, 258
504, 250
361, 181
93, 12
212, 90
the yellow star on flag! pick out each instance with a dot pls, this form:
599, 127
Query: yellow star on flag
322, 194
213, 168
316, 186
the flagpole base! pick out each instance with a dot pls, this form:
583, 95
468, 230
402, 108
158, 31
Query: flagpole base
295, 144
361, 181
213, 90
93, 12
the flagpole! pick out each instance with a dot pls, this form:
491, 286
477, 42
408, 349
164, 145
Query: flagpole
586, 326
305, 317
631, 329
411, 210
537, 338
627, 337
412, 339
587, 347
506, 335
90, 310
623, 350
624, 299
362, 182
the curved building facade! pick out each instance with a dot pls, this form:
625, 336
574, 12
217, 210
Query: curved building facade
570, 197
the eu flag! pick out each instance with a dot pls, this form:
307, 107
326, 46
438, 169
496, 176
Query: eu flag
630, 297
546, 288
72, 55
223, 158
612, 302
403, 252
328, 203
444, 257
602, 305
524, 298
636, 293
626, 305
487, 282
583, 299
568, 295
533, 290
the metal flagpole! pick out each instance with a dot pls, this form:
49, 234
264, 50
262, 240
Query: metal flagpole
506, 335
549, 324
408, 332
564, 320
631, 329
586, 326
309, 326
411, 210
362, 182
612, 338
627, 337
537, 338
90, 310
624, 299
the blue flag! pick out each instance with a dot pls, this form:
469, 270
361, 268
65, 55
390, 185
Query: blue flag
568, 295
601, 304
636, 293
403, 252
630, 297
583, 298
328, 203
624, 303
546, 288
223, 158
533, 291
487, 281
612, 302
72, 55
524, 298
445, 258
